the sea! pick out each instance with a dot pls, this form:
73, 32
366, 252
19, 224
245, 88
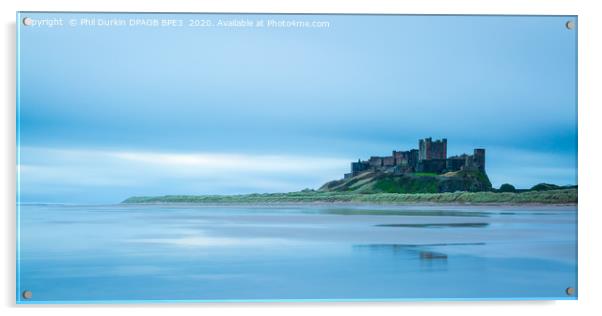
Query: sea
294, 252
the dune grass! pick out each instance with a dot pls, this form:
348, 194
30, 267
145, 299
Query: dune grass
562, 196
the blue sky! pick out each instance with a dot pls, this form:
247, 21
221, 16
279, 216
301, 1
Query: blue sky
110, 112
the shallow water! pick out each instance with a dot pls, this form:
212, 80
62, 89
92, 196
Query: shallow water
339, 252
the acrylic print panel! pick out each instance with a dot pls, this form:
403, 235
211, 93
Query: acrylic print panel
261, 157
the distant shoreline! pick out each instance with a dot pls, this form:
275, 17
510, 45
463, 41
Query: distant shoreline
550, 197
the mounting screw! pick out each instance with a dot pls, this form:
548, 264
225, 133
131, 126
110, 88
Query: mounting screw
570, 291
570, 25
27, 295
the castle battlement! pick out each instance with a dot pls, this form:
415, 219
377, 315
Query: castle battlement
431, 157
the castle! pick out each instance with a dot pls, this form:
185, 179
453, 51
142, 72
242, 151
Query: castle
430, 157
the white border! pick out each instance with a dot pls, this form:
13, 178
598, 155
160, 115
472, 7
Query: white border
590, 123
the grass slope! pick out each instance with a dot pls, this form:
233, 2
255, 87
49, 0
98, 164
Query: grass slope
561, 196
382, 182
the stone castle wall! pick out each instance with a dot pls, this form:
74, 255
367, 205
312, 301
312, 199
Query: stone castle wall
431, 157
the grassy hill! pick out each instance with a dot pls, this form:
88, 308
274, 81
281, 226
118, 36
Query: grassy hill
381, 182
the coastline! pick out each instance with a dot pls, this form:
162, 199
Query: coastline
355, 204
566, 197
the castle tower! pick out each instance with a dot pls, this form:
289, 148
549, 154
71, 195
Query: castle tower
429, 149
440, 149
479, 159
424, 147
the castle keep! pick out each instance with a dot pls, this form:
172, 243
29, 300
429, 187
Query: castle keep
430, 157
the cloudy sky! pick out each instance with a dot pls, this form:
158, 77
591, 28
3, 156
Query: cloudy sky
106, 113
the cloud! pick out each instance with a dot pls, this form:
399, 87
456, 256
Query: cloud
215, 162
112, 175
